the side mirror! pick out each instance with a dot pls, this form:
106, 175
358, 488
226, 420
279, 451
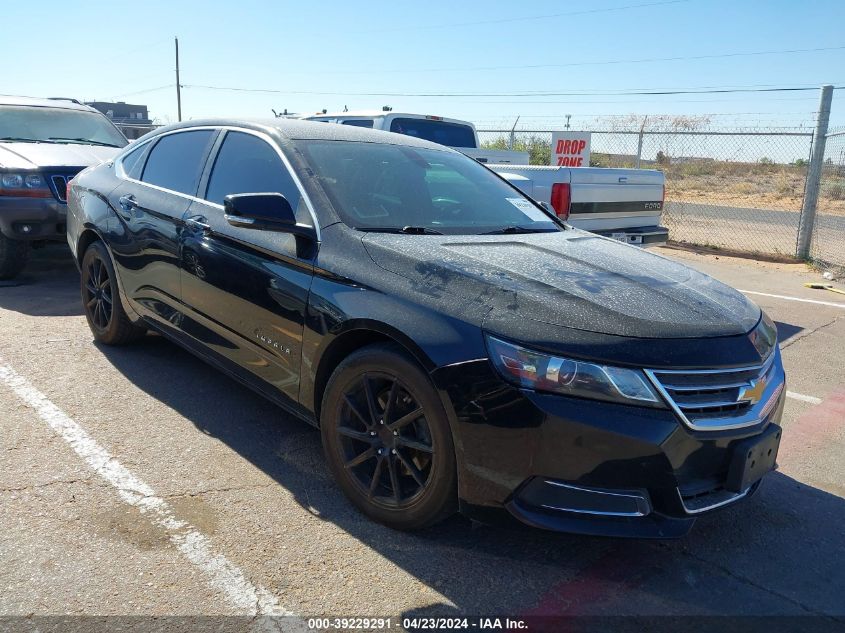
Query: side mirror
264, 211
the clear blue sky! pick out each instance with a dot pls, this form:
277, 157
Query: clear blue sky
113, 50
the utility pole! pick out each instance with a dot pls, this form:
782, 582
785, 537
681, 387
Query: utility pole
814, 176
178, 85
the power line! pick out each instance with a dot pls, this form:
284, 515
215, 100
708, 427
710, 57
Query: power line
610, 62
140, 92
525, 18
505, 94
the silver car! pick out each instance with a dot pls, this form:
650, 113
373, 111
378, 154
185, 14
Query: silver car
43, 144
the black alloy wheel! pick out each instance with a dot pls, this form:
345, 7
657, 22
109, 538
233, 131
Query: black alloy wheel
101, 299
97, 293
387, 439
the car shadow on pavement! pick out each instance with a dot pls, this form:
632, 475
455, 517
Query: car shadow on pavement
787, 330
48, 286
779, 553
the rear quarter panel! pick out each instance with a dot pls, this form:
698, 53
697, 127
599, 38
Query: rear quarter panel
87, 204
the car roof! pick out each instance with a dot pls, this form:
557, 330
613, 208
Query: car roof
375, 114
62, 103
298, 130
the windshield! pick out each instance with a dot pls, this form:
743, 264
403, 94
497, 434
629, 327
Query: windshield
449, 134
375, 186
57, 125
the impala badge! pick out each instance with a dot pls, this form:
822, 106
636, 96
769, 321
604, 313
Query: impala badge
269, 342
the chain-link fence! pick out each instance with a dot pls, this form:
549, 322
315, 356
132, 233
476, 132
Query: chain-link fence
828, 245
738, 190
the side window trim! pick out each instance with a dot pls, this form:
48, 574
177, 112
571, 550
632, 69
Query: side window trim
143, 149
212, 158
212, 142
150, 145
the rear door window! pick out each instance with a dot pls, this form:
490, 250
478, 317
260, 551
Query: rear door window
176, 161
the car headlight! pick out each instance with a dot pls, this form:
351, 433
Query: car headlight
26, 185
12, 181
542, 372
34, 181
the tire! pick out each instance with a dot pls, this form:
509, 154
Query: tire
14, 255
101, 299
412, 483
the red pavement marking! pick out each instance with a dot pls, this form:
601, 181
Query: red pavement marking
618, 570
814, 429
621, 569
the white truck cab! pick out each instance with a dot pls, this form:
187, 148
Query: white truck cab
454, 133
622, 204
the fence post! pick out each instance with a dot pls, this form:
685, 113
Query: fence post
814, 176
640, 143
513, 134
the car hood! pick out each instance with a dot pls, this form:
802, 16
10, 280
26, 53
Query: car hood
37, 155
572, 279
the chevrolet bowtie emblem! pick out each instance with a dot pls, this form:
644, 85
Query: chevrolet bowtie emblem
754, 392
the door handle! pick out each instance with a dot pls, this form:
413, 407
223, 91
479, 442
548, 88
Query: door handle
198, 223
127, 202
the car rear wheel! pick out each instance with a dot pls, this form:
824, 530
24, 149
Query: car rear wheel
13, 256
101, 301
387, 439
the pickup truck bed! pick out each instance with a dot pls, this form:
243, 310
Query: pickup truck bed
624, 204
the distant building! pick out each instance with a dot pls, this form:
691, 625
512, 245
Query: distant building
123, 113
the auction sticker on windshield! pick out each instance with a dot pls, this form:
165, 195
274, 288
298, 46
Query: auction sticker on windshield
529, 209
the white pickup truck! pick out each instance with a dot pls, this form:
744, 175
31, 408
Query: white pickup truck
623, 204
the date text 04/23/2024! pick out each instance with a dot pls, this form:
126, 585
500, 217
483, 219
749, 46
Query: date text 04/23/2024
418, 624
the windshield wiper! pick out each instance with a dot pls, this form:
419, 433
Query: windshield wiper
408, 230
419, 230
513, 229
21, 139
86, 141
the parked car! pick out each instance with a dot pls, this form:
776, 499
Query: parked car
43, 144
623, 204
458, 346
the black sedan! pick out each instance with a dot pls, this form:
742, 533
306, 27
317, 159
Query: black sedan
458, 347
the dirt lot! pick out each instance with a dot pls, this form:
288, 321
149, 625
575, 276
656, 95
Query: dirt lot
139, 481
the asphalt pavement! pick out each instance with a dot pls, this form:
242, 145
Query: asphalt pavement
139, 481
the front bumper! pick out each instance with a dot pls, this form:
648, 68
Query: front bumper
638, 236
33, 219
584, 466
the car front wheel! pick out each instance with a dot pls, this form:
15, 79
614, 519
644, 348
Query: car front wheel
101, 301
387, 439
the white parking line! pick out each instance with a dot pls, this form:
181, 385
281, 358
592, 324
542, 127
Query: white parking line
803, 398
221, 572
786, 298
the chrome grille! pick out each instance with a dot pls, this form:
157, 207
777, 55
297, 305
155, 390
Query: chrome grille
59, 180
60, 186
716, 399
